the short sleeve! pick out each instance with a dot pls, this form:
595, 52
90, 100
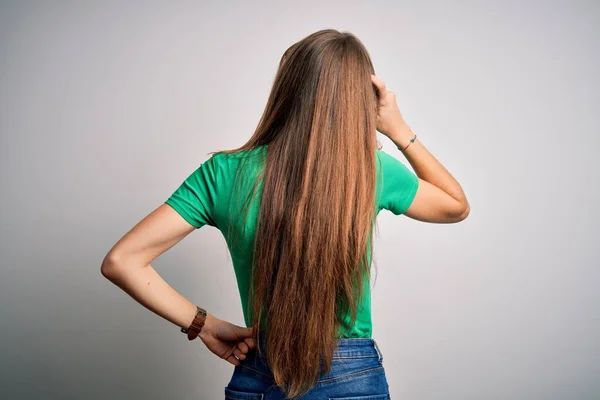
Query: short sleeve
195, 198
397, 186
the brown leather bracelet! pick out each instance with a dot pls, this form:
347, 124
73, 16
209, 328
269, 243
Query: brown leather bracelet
194, 329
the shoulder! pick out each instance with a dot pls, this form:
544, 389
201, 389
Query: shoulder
228, 156
385, 158
219, 161
397, 184
225, 165
390, 164
384, 163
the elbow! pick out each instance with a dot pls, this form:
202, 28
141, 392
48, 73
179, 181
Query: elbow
464, 213
459, 212
109, 268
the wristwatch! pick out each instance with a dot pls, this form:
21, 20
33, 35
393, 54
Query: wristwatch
194, 329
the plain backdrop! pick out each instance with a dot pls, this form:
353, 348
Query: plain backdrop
105, 107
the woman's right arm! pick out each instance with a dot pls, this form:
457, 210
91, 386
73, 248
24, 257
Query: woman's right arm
439, 197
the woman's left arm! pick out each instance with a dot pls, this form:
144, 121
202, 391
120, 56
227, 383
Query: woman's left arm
127, 265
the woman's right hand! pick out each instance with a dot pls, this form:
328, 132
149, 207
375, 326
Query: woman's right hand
390, 121
439, 197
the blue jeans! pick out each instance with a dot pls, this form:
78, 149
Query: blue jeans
357, 373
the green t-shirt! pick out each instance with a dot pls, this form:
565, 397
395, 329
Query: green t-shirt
203, 198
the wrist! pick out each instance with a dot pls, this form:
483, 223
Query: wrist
209, 324
197, 324
402, 135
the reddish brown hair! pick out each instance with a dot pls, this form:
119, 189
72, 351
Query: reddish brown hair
317, 209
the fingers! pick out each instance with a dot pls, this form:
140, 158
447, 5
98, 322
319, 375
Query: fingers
240, 351
243, 347
233, 360
380, 85
250, 342
240, 355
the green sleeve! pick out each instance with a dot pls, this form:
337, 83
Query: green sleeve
398, 184
195, 198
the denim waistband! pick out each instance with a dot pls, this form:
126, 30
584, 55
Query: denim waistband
350, 348
357, 347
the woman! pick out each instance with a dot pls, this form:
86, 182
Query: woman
308, 185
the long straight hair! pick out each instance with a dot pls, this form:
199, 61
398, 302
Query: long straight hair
314, 230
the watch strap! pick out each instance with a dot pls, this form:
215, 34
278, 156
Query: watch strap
197, 324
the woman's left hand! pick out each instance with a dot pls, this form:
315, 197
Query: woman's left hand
226, 340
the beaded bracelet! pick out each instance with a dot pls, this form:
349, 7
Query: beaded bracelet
409, 143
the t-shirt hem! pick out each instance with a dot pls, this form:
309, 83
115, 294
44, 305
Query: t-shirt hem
183, 213
411, 194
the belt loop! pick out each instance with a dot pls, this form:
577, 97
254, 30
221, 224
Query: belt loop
379, 353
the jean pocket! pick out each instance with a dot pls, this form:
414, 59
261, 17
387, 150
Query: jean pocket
231, 394
385, 396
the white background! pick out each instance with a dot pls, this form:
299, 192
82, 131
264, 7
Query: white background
106, 107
